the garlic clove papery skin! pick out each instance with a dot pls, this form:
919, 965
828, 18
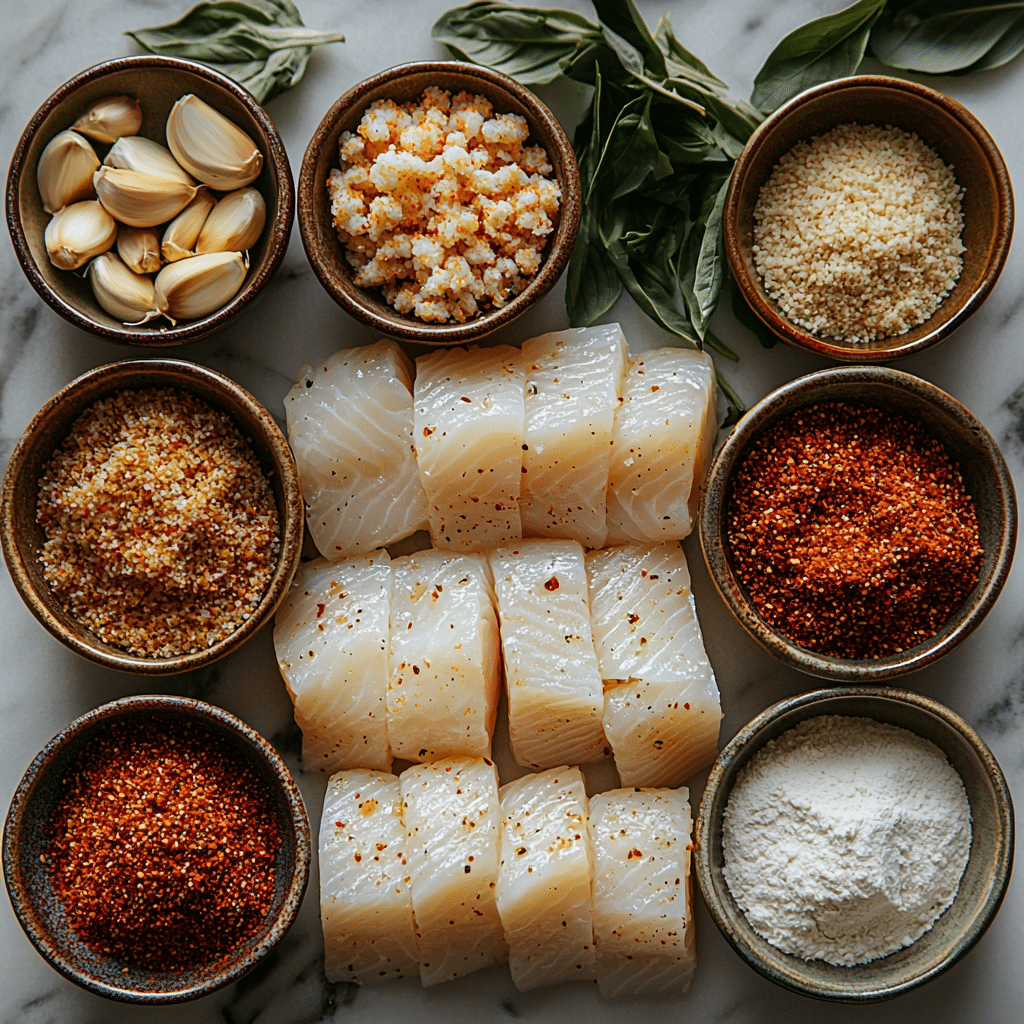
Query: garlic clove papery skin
65, 169
235, 223
125, 295
211, 148
181, 234
77, 233
139, 248
140, 199
111, 118
137, 153
200, 285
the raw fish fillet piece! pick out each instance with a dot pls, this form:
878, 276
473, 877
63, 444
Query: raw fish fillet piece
331, 640
468, 430
365, 892
350, 428
643, 891
574, 380
664, 432
555, 693
544, 882
452, 822
444, 678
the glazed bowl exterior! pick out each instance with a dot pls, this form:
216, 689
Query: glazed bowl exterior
39, 910
405, 82
982, 887
965, 440
157, 82
951, 130
23, 537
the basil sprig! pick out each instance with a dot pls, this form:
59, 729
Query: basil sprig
261, 44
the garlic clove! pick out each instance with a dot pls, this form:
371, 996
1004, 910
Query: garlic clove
137, 153
139, 248
65, 169
210, 147
181, 234
111, 118
140, 199
125, 295
200, 285
77, 233
234, 224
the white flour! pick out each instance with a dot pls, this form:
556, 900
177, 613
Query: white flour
845, 839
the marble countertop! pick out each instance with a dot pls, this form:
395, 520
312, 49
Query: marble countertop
44, 686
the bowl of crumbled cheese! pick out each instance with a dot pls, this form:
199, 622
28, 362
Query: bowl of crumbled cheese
854, 843
868, 218
438, 201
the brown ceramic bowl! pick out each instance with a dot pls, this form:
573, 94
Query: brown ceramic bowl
967, 442
949, 129
983, 885
156, 82
39, 909
407, 82
23, 537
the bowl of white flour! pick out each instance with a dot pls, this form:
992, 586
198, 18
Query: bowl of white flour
854, 843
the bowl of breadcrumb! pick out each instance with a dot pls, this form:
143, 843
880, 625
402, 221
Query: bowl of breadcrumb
438, 201
868, 218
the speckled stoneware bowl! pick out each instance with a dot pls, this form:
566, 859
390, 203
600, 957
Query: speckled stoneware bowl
967, 442
981, 890
39, 910
23, 537
157, 82
407, 82
949, 129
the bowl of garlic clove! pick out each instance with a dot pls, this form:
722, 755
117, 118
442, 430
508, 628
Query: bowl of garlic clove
150, 200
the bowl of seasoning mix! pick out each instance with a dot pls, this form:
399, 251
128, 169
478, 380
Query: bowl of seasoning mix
151, 516
868, 218
887, 853
859, 523
156, 849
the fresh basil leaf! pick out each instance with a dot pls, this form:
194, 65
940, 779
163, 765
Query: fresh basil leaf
592, 284
631, 154
709, 271
680, 61
748, 318
626, 22
828, 48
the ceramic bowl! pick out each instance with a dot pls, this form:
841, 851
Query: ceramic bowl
157, 82
981, 890
23, 537
967, 442
39, 910
944, 125
407, 82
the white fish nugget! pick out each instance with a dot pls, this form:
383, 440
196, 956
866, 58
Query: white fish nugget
331, 641
574, 380
544, 882
555, 693
444, 677
468, 430
452, 821
350, 428
664, 431
365, 885
643, 891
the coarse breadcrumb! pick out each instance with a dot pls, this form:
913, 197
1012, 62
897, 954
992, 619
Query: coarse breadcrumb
162, 531
857, 233
442, 205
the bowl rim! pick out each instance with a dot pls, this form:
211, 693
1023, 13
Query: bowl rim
715, 493
291, 526
561, 242
799, 338
214, 718
718, 897
280, 228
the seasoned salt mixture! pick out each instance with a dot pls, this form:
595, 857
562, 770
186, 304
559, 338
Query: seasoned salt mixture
845, 839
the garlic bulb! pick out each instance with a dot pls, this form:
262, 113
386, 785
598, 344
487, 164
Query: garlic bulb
110, 118
137, 153
125, 295
210, 147
199, 285
65, 169
181, 234
234, 224
139, 248
140, 199
77, 233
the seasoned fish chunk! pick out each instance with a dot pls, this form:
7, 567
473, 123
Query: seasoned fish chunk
365, 894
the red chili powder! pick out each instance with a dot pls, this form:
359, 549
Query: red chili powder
852, 531
162, 845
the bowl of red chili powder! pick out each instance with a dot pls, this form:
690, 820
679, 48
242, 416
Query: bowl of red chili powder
859, 523
156, 849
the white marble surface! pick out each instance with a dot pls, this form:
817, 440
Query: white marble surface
43, 686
